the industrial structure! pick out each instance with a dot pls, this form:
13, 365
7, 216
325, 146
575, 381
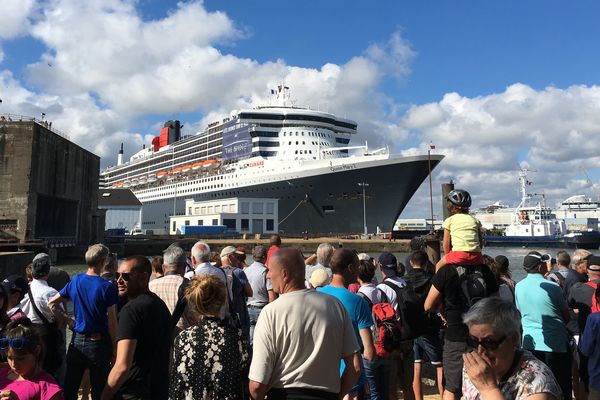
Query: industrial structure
48, 186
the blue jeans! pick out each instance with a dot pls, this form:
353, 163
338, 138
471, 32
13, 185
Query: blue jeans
378, 377
253, 313
85, 353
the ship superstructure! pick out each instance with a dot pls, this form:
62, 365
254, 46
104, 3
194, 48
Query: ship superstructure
301, 156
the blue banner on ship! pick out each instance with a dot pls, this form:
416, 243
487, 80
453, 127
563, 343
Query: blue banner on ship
237, 141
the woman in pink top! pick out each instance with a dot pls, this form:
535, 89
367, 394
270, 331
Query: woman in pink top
23, 378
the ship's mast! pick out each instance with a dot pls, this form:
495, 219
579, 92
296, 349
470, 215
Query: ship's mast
523, 182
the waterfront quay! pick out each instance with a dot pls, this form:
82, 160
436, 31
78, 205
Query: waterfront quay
151, 246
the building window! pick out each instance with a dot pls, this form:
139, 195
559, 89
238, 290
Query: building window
200, 222
210, 209
232, 208
257, 208
187, 222
245, 224
189, 210
174, 226
270, 208
245, 207
217, 209
203, 210
215, 221
229, 223
270, 225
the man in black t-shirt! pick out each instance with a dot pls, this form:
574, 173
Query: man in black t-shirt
446, 292
429, 345
143, 338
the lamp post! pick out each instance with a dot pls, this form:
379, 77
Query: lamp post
363, 185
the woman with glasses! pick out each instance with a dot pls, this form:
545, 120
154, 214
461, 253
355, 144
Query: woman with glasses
497, 368
23, 377
209, 358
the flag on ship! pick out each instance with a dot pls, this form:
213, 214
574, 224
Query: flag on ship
431, 146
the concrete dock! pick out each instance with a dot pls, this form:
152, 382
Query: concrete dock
154, 246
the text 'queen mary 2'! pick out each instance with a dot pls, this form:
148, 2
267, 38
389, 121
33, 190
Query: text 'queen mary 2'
299, 156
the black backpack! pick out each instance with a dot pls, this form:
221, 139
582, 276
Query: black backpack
410, 310
472, 284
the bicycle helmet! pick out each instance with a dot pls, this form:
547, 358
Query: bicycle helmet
460, 198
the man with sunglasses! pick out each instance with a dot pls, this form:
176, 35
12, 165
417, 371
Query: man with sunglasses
94, 304
544, 313
144, 337
447, 290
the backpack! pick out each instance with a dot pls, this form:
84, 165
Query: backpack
387, 331
472, 284
595, 306
413, 319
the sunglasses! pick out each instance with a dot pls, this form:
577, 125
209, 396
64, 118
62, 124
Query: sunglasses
486, 344
15, 344
126, 276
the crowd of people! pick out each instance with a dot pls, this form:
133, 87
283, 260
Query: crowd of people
336, 324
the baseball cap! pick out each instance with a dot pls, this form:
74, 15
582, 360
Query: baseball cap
230, 250
533, 259
388, 263
40, 265
319, 278
593, 263
16, 283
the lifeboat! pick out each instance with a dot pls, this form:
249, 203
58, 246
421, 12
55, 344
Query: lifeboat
119, 184
176, 170
161, 174
134, 182
196, 166
186, 168
126, 184
151, 177
210, 163
143, 180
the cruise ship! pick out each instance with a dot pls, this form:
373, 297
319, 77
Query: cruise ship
300, 156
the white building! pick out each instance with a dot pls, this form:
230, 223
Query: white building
123, 209
415, 224
240, 214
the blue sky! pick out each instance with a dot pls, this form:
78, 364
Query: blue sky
493, 84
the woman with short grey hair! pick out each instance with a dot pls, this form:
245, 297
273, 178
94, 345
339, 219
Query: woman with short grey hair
497, 368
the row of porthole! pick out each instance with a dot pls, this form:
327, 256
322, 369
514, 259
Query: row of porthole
315, 134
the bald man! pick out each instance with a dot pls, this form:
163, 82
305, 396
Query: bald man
300, 339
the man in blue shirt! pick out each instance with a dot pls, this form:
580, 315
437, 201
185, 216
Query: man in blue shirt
544, 313
94, 303
589, 345
344, 265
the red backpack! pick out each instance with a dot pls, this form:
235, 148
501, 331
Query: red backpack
387, 331
595, 307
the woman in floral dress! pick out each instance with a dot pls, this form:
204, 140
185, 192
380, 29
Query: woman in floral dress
497, 368
208, 358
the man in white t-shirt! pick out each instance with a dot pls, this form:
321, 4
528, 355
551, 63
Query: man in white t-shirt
51, 324
300, 339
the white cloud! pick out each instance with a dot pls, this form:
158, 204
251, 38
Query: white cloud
15, 15
395, 56
485, 138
